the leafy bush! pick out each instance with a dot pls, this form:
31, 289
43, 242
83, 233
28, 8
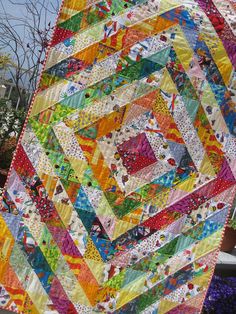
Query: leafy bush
11, 122
232, 216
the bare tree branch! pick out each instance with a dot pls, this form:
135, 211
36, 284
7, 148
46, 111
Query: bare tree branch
26, 39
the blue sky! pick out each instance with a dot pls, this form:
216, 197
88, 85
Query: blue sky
19, 11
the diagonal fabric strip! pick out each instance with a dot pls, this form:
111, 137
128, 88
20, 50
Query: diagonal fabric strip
125, 172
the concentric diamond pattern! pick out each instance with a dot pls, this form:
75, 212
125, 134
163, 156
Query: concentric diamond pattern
120, 187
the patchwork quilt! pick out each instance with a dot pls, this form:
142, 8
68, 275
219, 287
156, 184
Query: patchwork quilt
125, 171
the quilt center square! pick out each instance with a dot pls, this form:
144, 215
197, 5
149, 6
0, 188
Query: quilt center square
136, 153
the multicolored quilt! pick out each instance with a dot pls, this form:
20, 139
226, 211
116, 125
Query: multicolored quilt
124, 174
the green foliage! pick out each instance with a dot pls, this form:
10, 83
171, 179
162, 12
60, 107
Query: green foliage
232, 223
232, 216
5, 61
11, 122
